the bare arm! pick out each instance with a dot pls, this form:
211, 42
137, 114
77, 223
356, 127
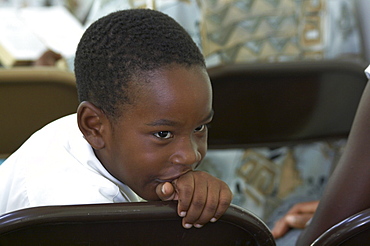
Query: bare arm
348, 190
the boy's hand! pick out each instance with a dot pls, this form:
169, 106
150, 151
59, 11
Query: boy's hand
201, 197
297, 217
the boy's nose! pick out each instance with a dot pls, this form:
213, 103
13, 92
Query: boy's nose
186, 153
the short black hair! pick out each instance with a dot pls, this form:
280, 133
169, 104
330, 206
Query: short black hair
122, 45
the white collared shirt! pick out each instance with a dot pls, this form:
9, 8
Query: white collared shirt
57, 166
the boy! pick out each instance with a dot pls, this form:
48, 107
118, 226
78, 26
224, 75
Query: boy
140, 129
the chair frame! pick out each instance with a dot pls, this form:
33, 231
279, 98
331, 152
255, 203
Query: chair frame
286, 103
31, 97
91, 224
347, 232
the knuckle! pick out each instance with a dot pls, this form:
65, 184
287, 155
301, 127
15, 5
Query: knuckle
198, 203
224, 204
186, 189
211, 208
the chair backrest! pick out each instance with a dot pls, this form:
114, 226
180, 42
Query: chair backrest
283, 103
145, 223
352, 231
29, 99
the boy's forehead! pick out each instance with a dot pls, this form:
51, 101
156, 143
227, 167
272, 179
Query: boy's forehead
172, 73
170, 80
176, 94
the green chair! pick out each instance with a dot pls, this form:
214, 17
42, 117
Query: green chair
31, 97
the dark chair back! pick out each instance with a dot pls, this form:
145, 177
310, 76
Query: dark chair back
275, 104
145, 223
353, 231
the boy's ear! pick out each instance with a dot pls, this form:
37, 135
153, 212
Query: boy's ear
91, 121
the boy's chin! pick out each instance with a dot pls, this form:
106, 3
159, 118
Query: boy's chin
150, 197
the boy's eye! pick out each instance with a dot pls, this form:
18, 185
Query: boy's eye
163, 134
200, 128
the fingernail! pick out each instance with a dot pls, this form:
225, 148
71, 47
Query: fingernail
182, 214
163, 189
213, 220
198, 225
188, 226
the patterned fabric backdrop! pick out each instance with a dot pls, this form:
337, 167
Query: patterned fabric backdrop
278, 30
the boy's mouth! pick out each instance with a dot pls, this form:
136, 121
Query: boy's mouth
167, 179
171, 179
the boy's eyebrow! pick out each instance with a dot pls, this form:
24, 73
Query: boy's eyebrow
166, 122
162, 122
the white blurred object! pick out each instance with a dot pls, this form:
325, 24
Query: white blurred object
55, 26
18, 44
343, 33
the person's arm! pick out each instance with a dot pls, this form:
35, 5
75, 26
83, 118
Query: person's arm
348, 190
201, 197
297, 217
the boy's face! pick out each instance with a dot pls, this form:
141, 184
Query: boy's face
163, 134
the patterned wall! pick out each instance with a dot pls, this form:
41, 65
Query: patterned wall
277, 30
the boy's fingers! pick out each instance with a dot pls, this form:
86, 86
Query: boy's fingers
184, 187
166, 191
201, 197
224, 201
197, 206
210, 201
217, 204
